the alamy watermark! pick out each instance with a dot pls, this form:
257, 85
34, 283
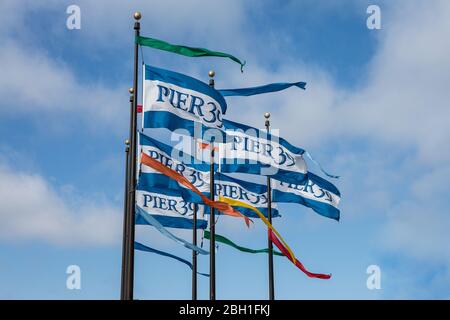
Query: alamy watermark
73, 281
73, 21
374, 279
373, 22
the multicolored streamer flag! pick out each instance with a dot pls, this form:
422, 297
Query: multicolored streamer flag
297, 263
314, 192
238, 203
152, 221
223, 207
169, 209
276, 238
184, 50
272, 87
141, 247
230, 243
176, 101
197, 174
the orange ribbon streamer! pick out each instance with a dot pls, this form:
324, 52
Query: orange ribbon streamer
219, 205
204, 145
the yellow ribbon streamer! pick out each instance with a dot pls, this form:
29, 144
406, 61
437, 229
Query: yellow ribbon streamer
233, 202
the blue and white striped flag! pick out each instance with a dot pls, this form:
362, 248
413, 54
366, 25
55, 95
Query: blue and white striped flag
176, 101
169, 209
198, 174
248, 192
150, 220
314, 192
244, 149
251, 193
251, 150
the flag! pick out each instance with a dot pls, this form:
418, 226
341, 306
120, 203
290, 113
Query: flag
254, 151
238, 203
252, 193
294, 260
175, 101
224, 207
251, 150
152, 221
141, 247
248, 192
272, 87
230, 243
277, 240
198, 174
169, 209
184, 50
314, 192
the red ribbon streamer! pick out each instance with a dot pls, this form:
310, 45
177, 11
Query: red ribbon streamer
219, 205
281, 247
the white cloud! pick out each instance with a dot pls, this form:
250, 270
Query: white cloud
180, 19
403, 103
419, 230
405, 106
37, 85
31, 209
406, 100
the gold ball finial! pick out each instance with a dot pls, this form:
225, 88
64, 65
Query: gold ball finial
127, 142
137, 15
131, 90
211, 73
267, 115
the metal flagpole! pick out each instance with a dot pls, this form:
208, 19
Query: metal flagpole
212, 228
194, 237
269, 217
194, 255
125, 220
133, 160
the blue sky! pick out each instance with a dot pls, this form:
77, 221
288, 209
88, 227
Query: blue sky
375, 111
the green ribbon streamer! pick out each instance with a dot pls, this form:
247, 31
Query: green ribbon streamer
226, 241
184, 50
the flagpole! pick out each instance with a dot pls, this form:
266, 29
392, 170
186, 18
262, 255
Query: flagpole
133, 160
212, 228
126, 235
269, 217
125, 220
194, 254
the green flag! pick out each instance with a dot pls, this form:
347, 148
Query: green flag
226, 241
184, 50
